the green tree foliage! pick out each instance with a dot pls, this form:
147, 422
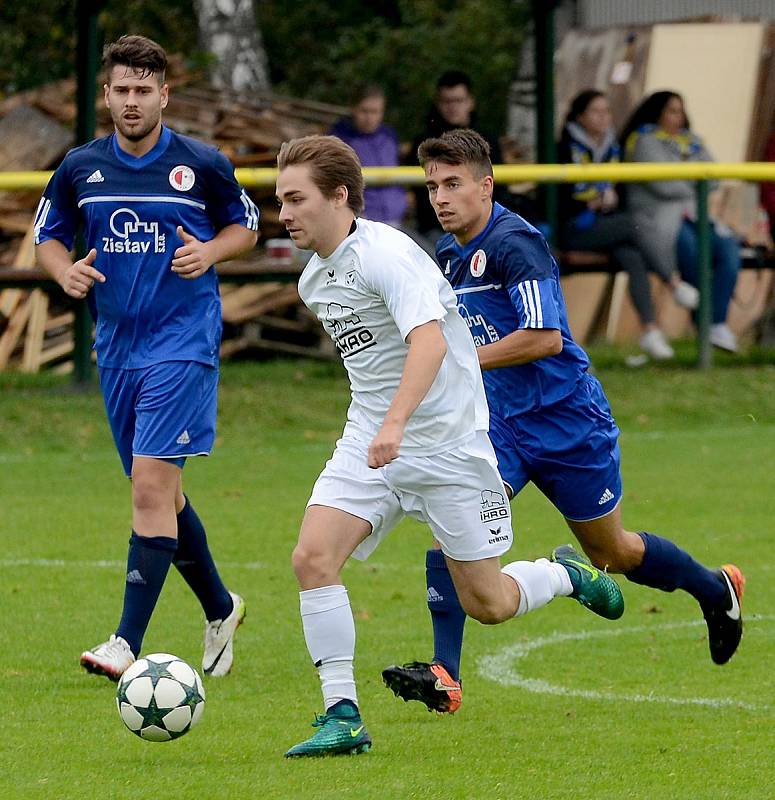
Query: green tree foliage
316, 50
38, 40
321, 50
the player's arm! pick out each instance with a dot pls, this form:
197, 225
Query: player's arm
76, 278
427, 348
520, 347
193, 258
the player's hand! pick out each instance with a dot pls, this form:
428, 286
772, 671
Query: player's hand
78, 278
384, 446
193, 258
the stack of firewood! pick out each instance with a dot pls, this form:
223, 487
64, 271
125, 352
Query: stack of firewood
35, 133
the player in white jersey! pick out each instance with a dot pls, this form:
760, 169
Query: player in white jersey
415, 442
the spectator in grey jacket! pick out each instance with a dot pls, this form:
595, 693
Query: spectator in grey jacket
591, 216
665, 213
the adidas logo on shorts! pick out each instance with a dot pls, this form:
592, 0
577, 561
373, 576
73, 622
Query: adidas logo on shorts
608, 495
184, 438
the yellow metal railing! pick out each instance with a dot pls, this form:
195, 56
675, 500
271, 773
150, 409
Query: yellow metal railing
504, 173
700, 172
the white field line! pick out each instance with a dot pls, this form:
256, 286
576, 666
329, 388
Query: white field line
501, 668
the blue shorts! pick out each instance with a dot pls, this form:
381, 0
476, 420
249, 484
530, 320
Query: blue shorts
164, 411
569, 450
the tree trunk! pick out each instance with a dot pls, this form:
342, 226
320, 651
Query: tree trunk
228, 29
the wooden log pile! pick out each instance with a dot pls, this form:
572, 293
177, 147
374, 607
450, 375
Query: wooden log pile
35, 133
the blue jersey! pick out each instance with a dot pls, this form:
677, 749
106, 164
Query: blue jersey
130, 209
506, 280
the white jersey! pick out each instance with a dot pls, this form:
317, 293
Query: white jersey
370, 293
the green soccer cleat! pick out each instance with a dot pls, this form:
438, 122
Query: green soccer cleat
341, 733
592, 587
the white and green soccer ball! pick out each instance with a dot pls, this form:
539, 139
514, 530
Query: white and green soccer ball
160, 697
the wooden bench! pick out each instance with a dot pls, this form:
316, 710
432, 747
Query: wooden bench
599, 304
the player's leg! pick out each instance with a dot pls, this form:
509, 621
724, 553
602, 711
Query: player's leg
224, 610
349, 504
659, 563
585, 485
461, 495
437, 683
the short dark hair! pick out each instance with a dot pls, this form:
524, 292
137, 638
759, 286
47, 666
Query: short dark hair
453, 77
137, 53
460, 146
332, 162
365, 91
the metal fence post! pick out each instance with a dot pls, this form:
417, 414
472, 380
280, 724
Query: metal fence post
705, 353
87, 56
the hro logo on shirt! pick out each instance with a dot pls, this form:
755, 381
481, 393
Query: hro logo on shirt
347, 330
132, 235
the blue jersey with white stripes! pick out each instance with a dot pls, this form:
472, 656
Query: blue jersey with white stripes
130, 209
506, 280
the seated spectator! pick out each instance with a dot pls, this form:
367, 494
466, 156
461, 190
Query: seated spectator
454, 106
665, 213
377, 146
590, 215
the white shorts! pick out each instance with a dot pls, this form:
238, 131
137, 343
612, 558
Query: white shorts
459, 493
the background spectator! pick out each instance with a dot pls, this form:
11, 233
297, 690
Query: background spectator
665, 213
377, 146
454, 106
590, 216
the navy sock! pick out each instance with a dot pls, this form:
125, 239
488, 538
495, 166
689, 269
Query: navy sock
667, 567
195, 563
147, 565
447, 614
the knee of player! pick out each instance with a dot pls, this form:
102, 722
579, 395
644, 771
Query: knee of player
147, 495
488, 612
311, 563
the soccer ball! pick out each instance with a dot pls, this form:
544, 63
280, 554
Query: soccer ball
160, 697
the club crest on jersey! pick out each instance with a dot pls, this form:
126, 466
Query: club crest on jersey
478, 263
182, 178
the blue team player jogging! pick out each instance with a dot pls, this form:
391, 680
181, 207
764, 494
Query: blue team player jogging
550, 421
157, 211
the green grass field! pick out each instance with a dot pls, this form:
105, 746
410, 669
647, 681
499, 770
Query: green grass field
560, 704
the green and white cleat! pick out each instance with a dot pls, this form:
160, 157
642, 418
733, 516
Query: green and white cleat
341, 733
593, 588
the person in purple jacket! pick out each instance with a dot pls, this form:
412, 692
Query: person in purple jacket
377, 146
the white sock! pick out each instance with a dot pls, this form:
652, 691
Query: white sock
539, 582
329, 630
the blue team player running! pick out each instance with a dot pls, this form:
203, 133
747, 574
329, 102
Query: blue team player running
550, 422
158, 210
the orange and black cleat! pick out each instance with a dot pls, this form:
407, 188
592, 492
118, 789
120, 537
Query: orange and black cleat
429, 683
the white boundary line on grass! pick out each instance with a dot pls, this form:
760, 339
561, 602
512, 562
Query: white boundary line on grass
500, 668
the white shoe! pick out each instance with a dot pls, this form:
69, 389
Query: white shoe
219, 640
655, 344
111, 658
686, 295
722, 337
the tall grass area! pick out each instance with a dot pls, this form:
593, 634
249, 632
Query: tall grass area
557, 704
